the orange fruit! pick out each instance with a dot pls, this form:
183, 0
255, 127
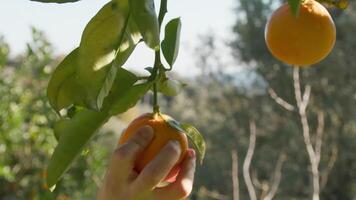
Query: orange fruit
163, 133
301, 40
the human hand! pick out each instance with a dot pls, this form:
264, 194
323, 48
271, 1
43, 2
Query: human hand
123, 183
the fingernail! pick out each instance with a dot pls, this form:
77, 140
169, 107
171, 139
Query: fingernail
146, 132
191, 153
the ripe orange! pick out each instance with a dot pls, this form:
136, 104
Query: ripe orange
163, 133
303, 40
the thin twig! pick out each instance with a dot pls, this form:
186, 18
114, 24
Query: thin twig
277, 175
325, 174
235, 175
319, 135
279, 100
247, 162
302, 103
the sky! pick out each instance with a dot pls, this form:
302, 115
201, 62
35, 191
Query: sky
64, 23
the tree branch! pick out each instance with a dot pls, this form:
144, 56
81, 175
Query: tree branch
235, 175
319, 135
279, 100
277, 175
247, 162
302, 103
325, 174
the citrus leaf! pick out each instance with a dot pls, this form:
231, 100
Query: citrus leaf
74, 134
170, 87
123, 82
197, 139
63, 90
124, 94
170, 44
129, 41
149, 69
56, 1
145, 16
97, 48
129, 98
295, 5
173, 123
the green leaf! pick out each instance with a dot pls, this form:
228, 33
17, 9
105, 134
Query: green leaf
123, 82
145, 16
295, 5
129, 98
170, 44
197, 139
101, 37
149, 69
124, 94
74, 134
63, 90
170, 87
173, 123
56, 1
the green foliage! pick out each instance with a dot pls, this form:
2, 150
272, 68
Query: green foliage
197, 140
97, 48
74, 135
91, 86
170, 44
170, 87
26, 135
4, 52
144, 14
63, 90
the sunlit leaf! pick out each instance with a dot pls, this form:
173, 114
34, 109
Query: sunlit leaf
74, 134
129, 98
197, 140
100, 39
145, 16
170, 87
170, 44
63, 90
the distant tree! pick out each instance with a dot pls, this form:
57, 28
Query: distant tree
332, 92
26, 137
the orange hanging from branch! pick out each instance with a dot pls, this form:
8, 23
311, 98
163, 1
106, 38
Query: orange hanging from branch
163, 133
301, 40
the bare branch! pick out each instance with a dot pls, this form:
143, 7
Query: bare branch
319, 135
306, 95
302, 103
247, 162
297, 90
257, 183
325, 174
279, 100
277, 175
235, 175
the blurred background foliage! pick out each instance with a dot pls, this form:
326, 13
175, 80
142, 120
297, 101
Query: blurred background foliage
221, 101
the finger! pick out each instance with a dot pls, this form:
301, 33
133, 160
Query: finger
183, 185
158, 168
123, 158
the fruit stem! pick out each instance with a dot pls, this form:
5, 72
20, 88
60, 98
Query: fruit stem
158, 66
